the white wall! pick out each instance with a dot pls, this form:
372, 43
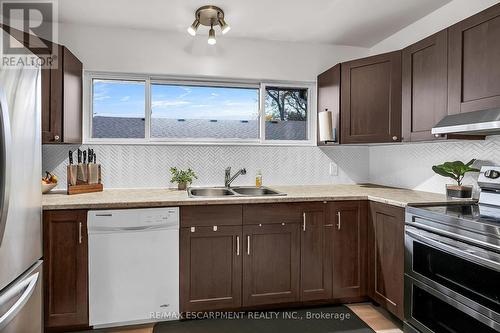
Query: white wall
440, 19
159, 52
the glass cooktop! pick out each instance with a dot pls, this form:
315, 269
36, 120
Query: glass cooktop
471, 212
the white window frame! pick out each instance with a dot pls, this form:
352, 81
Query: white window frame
230, 83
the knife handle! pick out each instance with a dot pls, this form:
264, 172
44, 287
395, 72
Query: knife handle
84, 157
70, 153
79, 156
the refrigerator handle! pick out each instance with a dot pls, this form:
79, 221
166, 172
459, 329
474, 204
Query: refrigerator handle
29, 286
5, 165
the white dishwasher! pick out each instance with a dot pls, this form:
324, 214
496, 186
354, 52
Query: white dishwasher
133, 266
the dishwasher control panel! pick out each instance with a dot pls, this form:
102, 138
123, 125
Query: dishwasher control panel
133, 219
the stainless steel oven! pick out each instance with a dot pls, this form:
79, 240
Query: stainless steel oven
450, 285
452, 264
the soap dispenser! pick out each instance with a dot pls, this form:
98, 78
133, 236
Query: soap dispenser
258, 178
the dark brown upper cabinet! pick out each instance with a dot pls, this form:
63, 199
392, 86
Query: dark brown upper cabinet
65, 248
210, 268
473, 63
271, 264
371, 99
386, 256
425, 87
316, 249
329, 94
62, 99
348, 219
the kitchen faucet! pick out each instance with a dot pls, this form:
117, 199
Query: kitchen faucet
228, 179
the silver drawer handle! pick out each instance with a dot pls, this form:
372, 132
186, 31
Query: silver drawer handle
237, 245
248, 244
304, 221
338, 220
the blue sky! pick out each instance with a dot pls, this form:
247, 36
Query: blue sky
113, 98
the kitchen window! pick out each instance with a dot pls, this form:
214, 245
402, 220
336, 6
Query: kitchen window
151, 110
118, 109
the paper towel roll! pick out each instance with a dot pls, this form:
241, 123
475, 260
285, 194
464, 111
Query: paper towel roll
325, 126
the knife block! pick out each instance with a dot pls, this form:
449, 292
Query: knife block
90, 183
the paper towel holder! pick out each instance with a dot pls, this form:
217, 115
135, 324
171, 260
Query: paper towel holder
327, 128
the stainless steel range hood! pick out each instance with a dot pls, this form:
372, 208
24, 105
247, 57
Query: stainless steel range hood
486, 122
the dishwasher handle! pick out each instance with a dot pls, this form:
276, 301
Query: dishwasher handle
131, 229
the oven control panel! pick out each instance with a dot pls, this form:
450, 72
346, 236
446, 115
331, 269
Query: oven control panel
489, 177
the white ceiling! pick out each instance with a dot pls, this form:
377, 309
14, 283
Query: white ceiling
345, 22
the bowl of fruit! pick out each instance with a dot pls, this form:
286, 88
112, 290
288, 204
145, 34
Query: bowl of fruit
48, 182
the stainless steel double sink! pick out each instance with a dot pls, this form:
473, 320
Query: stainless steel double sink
241, 191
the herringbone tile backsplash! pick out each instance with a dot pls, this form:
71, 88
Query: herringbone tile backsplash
131, 166
409, 165
399, 165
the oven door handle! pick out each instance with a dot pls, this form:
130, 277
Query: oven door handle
474, 254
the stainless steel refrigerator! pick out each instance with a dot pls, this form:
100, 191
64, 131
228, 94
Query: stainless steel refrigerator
20, 201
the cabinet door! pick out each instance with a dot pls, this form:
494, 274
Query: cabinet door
316, 254
474, 63
349, 248
72, 98
210, 268
329, 95
51, 87
271, 264
62, 99
425, 86
386, 263
66, 269
371, 99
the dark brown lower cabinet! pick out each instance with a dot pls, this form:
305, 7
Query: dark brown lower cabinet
65, 269
348, 219
316, 254
211, 268
386, 256
271, 264
290, 253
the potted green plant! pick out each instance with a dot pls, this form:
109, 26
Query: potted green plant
182, 177
456, 170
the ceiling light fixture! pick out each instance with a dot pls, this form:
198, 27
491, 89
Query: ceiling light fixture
209, 16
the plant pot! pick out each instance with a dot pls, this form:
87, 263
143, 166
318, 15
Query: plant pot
181, 186
459, 192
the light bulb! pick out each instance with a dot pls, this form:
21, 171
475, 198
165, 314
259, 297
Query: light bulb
211, 37
192, 29
224, 26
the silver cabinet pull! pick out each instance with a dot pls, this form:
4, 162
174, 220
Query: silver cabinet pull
237, 245
248, 244
56, 137
328, 225
80, 232
304, 221
338, 220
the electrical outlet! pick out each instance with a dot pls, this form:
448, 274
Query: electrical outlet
334, 169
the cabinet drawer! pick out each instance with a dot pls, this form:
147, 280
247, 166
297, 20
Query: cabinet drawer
211, 215
272, 213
